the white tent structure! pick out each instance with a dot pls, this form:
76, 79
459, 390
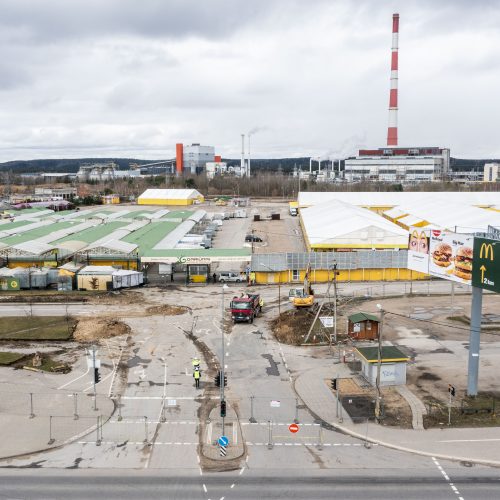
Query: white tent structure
336, 225
170, 197
394, 198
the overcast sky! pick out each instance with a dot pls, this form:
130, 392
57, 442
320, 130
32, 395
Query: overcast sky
130, 78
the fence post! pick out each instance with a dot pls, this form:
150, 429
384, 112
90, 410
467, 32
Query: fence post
320, 437
119, 408
98, 437
270, 438
146, 430
75, 400
252, 419
32, 414
163, 418
51, 439
296, 420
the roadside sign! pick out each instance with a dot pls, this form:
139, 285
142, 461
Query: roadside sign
486, 268
275, 404
326, 321
223, 441
293, 428
172, 402
90, 363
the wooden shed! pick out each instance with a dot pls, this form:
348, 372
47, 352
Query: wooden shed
363, 326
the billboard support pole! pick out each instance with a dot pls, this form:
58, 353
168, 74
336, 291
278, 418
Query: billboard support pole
474, 339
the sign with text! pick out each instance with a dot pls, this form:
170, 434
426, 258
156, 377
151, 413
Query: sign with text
451, 256
326, 321
418, 249
486, 270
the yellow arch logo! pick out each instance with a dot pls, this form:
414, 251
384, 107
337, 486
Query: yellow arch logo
487, 248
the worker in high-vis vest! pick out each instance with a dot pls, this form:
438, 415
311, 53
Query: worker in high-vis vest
261, 303
197, 376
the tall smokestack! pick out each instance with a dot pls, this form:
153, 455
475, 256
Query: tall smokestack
242, 165
179, 159
392, 131
249, 157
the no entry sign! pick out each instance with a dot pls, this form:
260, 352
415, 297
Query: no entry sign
293, 428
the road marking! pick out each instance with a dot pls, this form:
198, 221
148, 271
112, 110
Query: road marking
235, 434
204, 488
74, 380
232, 486
209, 433
467, 440
189, 398
115, 369
450, 484
242, 470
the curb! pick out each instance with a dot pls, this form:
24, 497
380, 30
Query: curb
479, 461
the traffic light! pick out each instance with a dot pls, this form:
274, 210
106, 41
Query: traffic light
225, 380
451, 390
334, 384
217, 379
222, 408
97, 376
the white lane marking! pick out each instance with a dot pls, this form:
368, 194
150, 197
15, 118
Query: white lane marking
232, 486
204, 488
242, 470
209, 433
167, 397
467, 440
235, 434
447, 478
115, 369
151, 422
74, 380
201, 472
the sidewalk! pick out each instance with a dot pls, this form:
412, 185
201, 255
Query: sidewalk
480, 445
48, 419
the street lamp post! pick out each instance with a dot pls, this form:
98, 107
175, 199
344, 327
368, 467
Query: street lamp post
379, 362
224, 288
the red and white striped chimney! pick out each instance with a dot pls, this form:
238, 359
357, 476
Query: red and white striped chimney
392, 131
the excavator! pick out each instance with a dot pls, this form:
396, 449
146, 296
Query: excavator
304, 297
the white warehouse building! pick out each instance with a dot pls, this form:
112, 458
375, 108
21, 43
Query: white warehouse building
399, 165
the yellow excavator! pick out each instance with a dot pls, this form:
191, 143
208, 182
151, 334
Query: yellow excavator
304, 297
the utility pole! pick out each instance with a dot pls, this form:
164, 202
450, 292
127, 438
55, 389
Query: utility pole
379, 362
222, 378
335, 301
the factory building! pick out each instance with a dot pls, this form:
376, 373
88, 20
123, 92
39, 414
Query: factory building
406, 165
193, 158
104, 172
491, 172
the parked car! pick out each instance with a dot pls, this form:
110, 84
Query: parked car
229, 277
255, 239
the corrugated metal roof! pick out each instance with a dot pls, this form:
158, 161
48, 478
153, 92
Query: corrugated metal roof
361, 316
389, 354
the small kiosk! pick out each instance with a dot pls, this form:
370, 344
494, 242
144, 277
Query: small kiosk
393, 365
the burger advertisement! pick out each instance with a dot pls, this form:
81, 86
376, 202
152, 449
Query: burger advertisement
450, 256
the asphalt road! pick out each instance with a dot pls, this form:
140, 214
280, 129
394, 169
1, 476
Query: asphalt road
373, 484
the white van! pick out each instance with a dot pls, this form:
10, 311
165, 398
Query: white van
229, 277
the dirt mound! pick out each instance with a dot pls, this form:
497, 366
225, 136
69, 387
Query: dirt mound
292, 326
167, 310
99, 328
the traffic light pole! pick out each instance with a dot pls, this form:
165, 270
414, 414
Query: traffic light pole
93, 366
222, 358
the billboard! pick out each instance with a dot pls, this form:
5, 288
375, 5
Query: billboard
486, 271
451, 256
418, 249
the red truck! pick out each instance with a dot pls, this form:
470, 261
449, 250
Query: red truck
245, 308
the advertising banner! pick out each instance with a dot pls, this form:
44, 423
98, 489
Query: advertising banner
451, 256
418, 249
486, 272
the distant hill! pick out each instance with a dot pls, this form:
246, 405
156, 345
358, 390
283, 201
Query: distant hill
273, 165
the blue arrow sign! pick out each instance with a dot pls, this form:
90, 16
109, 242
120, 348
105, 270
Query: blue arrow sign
223, 441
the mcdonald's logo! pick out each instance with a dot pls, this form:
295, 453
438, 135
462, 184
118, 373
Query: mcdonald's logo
487, 248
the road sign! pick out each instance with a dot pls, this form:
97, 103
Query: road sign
293, 428
275, 404
223, 441
486, 267
326, 321
90, 363
222, 451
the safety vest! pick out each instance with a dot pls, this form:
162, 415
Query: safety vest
197, 374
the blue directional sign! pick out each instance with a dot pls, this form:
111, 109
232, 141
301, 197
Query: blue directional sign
223, 441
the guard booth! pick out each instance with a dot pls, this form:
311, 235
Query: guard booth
363, 326
197, 273
393, 365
